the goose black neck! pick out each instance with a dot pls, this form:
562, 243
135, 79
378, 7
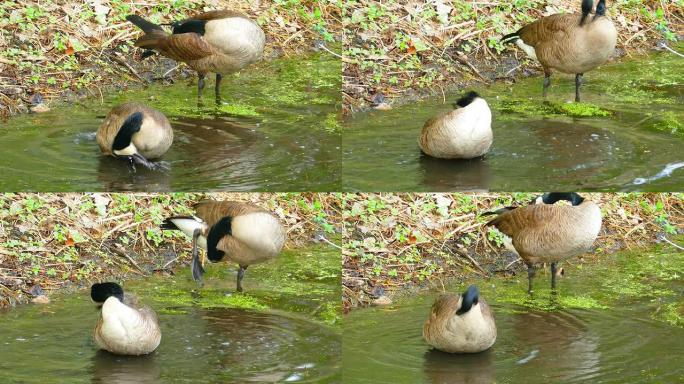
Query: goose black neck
470, 298
216, 233
188, 26
586, 9
573, 197
601, 8
100, 292
129, 127
466, 99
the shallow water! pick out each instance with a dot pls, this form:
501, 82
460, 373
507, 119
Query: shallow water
619, 321
535, 146
275, 129
281, 329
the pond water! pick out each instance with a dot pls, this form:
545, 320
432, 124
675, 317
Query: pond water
276, 129
621, 321
284, 327
636, 147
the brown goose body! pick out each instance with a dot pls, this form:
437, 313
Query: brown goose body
548, 233
560, 43
256, 235
463, 133
450, 331
152, 140
221, 42
569, 43
231, 231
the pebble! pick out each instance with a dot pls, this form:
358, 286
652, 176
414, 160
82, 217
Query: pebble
381, 301
40, 108
382, 107
42, 299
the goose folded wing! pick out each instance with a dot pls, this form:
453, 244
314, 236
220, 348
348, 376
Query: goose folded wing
185, 47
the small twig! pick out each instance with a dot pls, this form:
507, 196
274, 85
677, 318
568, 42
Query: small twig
167, 264
170, 70
475, 263
128, 66
321, 237
511, 263
121, 252
663, 45
673, 244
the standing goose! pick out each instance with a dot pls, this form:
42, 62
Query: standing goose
463, 133
547, 233
568, 43
460, 323
124, 327
221, 42
235, 231
135, 132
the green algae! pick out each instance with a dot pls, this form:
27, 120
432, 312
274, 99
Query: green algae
332, 123
580, 110
304, 281
670, 313
668, 122
549, 109
290, 82
652, 274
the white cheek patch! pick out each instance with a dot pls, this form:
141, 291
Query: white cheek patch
528, 49
128, 151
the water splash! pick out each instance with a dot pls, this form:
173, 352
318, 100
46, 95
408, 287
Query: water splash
667, 172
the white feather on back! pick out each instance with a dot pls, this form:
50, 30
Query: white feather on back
124, 330
259, 231
235, 35
463, 133
188, 226
528, 49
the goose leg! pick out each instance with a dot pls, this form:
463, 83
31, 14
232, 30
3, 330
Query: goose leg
197, 269
554, 269
200, 84
218, 88
131, 164
530, 277
240, 276
578, 84
547, 83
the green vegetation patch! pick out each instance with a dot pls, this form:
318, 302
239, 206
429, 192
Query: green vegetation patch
535, 107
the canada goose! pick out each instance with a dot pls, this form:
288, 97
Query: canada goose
463, 133
568, 43
240, 232
220, 42
136, 132
124, 328
547, 233
460, 323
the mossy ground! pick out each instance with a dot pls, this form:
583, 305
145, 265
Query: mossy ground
652, 278
303, 281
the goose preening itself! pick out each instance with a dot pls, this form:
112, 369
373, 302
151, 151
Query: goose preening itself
124, 328
135, 132
463, 133
460, 323
568, 43
232, 231
220, 42
548, 233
